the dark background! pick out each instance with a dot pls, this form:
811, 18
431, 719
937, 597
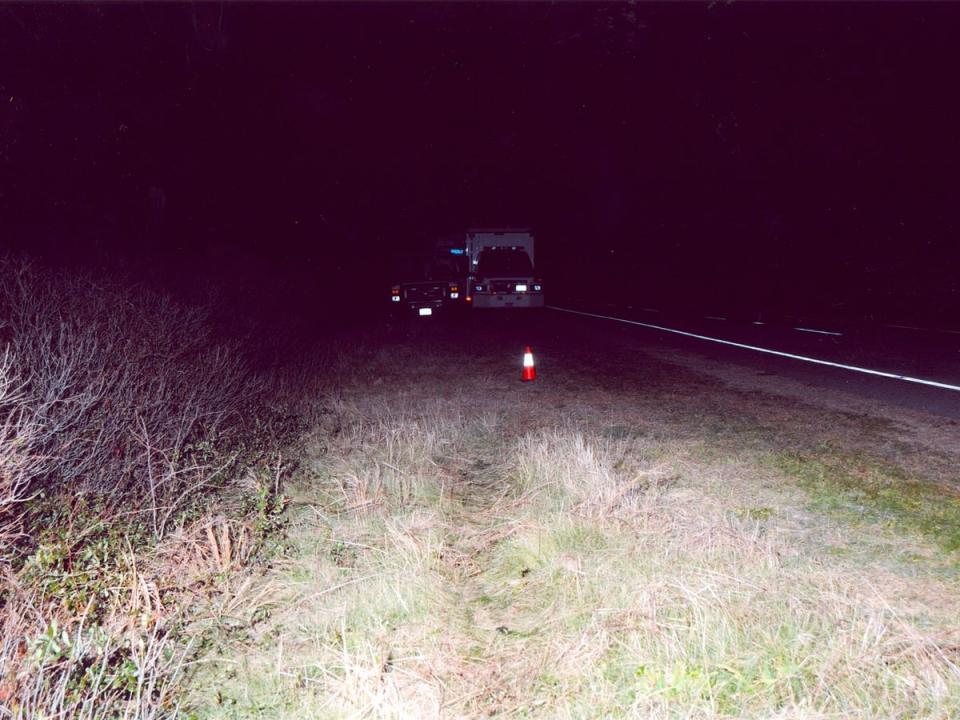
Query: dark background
776, 157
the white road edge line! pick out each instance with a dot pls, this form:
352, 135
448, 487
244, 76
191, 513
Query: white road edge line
922, 329
819, 332
816, 361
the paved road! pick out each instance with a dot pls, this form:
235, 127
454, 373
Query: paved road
932, 356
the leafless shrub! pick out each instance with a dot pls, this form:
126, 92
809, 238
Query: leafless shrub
119, 408
19, 434
114, 391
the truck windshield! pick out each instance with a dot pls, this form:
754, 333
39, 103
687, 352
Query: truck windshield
504, 263
414, 269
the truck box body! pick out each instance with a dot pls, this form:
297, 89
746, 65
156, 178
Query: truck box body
500, 263
477, 240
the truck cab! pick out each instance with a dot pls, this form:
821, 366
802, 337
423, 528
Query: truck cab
426, 285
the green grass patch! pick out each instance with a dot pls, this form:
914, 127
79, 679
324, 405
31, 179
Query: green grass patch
866, 489
759, 514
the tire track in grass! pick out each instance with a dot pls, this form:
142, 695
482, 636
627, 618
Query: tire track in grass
482, 518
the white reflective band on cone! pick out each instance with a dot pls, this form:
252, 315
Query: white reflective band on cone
528, 359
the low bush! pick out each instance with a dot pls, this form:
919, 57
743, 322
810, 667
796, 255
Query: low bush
128, 426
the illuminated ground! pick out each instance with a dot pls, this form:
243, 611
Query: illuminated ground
625, 537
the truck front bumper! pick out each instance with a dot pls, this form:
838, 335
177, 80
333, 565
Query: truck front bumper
508, 300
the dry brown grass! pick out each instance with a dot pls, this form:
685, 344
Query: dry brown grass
584, 547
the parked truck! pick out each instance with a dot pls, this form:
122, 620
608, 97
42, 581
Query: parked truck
426, 283
500, 268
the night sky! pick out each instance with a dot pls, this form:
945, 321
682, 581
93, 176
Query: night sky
760, 154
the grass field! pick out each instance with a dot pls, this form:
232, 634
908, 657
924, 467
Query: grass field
621, 538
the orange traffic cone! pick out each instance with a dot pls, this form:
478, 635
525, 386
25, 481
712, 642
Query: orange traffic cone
529, 371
